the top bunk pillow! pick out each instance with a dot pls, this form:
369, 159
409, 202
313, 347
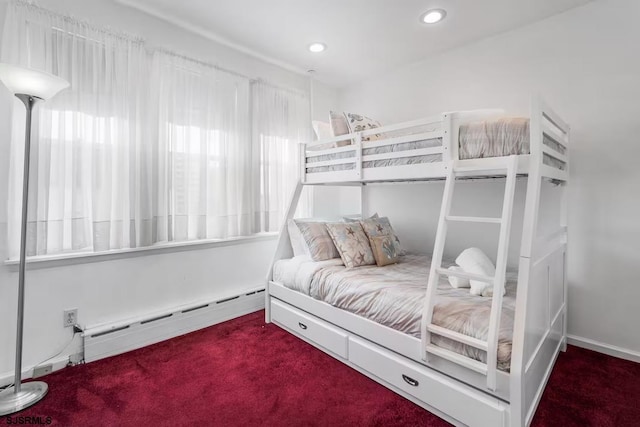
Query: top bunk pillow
345, 123
358, 123
322, 130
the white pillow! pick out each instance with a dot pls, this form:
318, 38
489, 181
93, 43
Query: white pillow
297, 241
322, 130
474, 261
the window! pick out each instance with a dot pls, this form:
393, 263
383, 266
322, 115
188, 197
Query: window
146, 147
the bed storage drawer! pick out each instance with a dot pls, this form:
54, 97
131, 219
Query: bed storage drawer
310, 327
436, 390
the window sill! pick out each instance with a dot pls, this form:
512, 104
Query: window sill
45, 261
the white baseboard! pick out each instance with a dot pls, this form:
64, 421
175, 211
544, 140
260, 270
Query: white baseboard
120, 337
608, 349
130, 334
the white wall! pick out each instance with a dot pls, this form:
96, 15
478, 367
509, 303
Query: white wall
121, 288
585, 63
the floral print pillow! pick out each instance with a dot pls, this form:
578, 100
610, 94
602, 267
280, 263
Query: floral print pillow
352, 243
384, 250
358, 123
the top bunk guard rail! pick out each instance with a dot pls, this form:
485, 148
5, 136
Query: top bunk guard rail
424, 149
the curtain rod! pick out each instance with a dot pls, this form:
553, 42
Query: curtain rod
31, 4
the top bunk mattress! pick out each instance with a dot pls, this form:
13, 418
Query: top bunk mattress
489, 138
394, 296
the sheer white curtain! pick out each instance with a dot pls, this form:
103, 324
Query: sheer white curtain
281, 121
202, 160
144, 148
83, 182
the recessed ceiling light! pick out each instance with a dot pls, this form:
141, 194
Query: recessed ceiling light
432, 16
317, 47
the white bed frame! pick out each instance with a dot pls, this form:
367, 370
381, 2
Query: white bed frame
445, 385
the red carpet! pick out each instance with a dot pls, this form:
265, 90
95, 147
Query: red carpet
244, 372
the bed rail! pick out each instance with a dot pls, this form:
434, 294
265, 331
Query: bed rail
342, 159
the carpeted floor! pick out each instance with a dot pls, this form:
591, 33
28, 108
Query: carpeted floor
244, 372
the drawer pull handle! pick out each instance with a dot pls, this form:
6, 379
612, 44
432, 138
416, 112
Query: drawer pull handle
410, 381
302, 325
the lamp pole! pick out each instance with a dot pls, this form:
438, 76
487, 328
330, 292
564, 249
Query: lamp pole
21, 396
29, 86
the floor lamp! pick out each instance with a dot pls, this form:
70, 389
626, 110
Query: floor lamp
30, 86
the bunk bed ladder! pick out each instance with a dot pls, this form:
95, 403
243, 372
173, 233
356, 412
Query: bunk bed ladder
509, 165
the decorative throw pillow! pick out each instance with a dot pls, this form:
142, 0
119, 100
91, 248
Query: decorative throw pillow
352, 243
381, 227
358, 123
322, 130
339, 127
384, 250
357, 218
319, 243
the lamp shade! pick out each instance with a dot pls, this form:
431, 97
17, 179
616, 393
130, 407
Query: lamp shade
27, 81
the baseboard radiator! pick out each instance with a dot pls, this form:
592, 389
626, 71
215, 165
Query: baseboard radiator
116, 338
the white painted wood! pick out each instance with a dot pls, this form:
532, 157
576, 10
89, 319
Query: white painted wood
474, 219
469, 407
402, 154
405, 138
333, 150
457, 336
501, 269
436, 262
457, 358
600, 347
403, 344
555, 133
358, 144
109, 340
330, 338
283, 249
334, 162
540, 319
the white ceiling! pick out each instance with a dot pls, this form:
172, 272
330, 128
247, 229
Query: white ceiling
364, 37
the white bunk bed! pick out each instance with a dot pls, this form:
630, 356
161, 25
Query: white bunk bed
459, 389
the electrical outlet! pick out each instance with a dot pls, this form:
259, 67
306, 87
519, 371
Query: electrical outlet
41, 370
70, 317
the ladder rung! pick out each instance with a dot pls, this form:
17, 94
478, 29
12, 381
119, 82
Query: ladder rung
457, 336
474, 219
458, 358
465, 275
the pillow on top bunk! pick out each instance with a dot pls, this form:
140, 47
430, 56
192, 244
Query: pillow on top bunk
339, 127
322, 130
384, 249
374, 227
318, 240
358, 123
352, 243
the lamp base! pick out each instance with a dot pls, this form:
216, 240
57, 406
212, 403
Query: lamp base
30, 393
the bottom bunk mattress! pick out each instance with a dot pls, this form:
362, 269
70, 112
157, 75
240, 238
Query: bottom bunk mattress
394, 296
